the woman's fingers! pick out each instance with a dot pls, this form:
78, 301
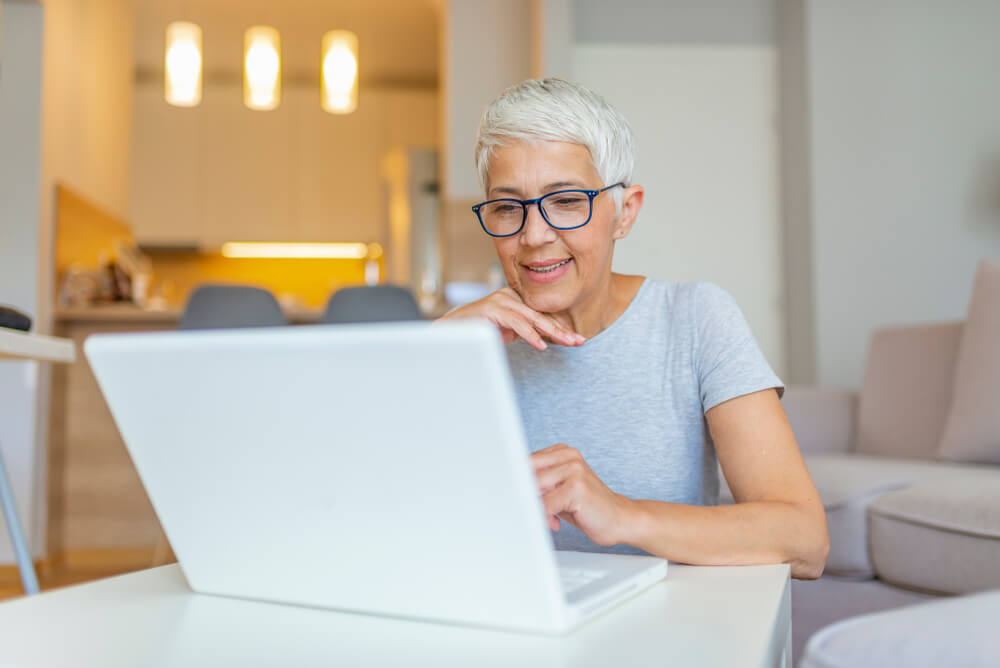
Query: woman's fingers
550, 327
551, 477
526, 331
507, 310
554, 455
558, 501
531, 326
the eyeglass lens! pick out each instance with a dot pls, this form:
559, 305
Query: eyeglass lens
562, 210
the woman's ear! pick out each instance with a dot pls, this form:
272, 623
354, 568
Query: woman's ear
631, 203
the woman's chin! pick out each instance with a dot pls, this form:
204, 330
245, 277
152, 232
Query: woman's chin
545, 300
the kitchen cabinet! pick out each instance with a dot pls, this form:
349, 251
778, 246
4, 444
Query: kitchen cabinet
221, 172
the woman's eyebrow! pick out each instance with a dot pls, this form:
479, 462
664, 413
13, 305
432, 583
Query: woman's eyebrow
562, 184
505, 190
509, 190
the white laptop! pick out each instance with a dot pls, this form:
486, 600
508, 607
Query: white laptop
373, 468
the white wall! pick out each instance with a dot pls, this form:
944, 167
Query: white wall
697, 80
904, 112
486, 46
20, 170
704, 120
65, 112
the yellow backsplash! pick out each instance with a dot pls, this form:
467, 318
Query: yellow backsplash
309, 280
86, 236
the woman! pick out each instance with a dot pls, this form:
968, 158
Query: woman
641, 385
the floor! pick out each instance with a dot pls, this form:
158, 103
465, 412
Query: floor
79, 567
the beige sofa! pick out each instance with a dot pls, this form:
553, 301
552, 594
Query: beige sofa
908, 470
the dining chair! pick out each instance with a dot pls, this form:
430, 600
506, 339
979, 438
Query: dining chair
371, 303
218, 306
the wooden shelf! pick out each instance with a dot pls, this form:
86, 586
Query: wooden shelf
15, 345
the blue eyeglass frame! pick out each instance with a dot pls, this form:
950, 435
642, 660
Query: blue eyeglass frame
525, 203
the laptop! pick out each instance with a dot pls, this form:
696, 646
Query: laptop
375, 468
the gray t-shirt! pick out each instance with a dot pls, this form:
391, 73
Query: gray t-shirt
633, 398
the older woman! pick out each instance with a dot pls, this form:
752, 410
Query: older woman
640, 384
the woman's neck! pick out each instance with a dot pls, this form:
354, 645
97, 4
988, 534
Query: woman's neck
598, 310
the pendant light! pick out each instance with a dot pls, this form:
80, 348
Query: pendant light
182, 64
339, 67
261, 68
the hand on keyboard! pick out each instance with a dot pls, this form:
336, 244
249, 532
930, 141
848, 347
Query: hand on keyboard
572, 492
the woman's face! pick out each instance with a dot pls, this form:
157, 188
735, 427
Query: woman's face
526, 170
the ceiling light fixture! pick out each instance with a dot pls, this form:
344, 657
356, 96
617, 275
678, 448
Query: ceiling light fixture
339, 79
261, 68
182, 63
343, 251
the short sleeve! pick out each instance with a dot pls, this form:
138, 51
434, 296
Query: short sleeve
729, 360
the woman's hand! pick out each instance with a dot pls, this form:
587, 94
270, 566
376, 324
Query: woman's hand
571, 491
505, 309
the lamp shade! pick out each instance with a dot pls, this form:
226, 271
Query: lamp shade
182, 64
261, 68
339, 67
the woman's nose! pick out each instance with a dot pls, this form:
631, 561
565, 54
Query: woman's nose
536, 231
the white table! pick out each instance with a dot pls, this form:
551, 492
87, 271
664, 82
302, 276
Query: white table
15, 345
698, 616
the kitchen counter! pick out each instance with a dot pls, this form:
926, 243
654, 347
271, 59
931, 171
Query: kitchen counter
127, 313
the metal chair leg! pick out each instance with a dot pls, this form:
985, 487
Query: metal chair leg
24, 565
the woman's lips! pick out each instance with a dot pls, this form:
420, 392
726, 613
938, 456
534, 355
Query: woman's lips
547, 271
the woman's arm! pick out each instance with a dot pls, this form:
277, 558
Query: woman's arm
777, 518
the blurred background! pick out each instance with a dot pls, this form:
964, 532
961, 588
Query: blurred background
834, 165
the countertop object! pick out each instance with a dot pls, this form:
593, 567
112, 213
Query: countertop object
11, 318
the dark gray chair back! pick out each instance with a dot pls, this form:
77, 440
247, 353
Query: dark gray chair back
371, 303
226, 306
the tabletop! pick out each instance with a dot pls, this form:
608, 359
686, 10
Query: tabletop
704, 616
15, 345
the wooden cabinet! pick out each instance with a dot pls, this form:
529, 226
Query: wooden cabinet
97, 505
221, 172
96, 502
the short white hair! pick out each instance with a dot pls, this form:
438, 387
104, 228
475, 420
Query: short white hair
553, 109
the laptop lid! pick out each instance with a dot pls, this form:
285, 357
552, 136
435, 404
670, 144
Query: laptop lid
377, 468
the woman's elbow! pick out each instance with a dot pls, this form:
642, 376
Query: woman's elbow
812, 555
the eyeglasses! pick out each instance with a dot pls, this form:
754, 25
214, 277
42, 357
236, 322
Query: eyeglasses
562, 209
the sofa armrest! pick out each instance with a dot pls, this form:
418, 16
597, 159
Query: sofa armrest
823, 420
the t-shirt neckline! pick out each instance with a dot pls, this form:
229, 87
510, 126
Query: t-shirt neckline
605, 333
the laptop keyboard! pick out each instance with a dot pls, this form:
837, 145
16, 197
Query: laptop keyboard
574, 578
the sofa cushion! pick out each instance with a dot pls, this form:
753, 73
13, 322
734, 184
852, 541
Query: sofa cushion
972, 428
942, 536
907, 390
823, 420
951, 632
849, 484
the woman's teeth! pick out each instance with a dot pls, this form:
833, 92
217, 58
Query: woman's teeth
545, 270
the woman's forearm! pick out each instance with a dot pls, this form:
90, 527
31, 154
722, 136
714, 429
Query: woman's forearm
763, 532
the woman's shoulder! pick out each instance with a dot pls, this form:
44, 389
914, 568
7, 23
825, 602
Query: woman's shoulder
694, 298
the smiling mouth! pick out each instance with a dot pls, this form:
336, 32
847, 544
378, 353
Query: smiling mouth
549, 268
